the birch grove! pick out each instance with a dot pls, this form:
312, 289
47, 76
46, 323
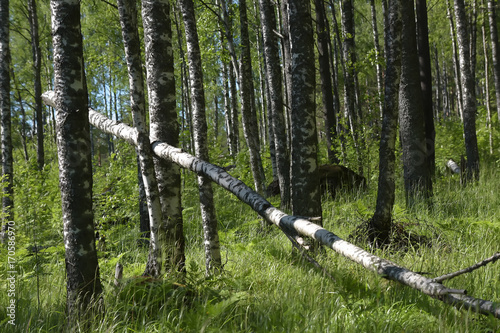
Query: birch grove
295, 227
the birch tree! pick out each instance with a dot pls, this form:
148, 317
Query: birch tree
7, 167
273, 69
327, 97
378, 56
75, 165
424, 57
306, 197
128, 19
248, 110
351, 105
164, 127
212, 248
381, 222
456, 69
469, 92
486, 52
37, 69
411, 114
495, 51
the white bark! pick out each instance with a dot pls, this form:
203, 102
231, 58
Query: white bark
296, 226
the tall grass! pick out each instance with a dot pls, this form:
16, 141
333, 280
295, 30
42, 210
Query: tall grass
265, 286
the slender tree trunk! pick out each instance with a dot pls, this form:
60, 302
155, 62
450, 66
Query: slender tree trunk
75, 164
439, 89
495, 51
326, 82
473, 37
130, 34
424, 58
37, 69
381, 223
231, 141
487, 76
458, 83
333, 119
287, 67
306, 197
234, 110
22, 125
248, 112
5, 115
380, 81
418, 182
212, 249
350, 77
469, 93
164, 127
186, 121
446, 92
144, 223
273, 68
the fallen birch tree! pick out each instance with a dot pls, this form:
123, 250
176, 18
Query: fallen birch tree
295, 226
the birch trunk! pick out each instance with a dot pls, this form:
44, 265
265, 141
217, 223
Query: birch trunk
292, 225
37, 68
350, 78
469, 93
248, 112
380, 81
128, 20
495, 51
164, 127
381, 223
456, 69
306, 197
487, 77
273, 69
438, 109
418, 183
327, 98
5, 117
84, 287
212, 248
424, 58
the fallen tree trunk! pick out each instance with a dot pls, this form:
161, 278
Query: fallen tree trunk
453, 166
293, 225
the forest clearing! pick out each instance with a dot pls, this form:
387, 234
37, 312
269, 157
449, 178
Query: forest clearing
114, 219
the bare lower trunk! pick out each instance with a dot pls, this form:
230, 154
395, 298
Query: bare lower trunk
212, 247
164, 127
128, 19
248, 112
469, 93
277, 123
381, 223
5, 117
84, 287
495, 51
37, 68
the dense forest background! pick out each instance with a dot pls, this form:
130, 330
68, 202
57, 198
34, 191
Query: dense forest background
262, 285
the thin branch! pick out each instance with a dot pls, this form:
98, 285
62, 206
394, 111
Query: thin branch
111, 4
445, 277
303, 252
213, 11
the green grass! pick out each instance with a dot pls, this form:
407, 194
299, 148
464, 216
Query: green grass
264, 287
